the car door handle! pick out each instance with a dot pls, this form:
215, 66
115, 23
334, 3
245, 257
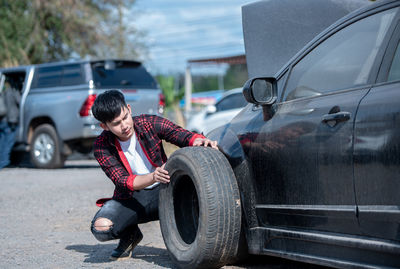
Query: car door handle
338, 117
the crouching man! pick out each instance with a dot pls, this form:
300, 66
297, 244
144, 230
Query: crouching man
130, 152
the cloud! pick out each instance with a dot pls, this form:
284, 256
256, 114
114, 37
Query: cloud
182, 30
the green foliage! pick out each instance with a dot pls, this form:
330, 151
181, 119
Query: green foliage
167, 86
171, 89
235, 76
14, 31
205, 83
35, 31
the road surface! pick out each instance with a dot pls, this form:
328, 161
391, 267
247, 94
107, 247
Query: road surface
45, 217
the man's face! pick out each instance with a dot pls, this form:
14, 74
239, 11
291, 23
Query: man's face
122, 125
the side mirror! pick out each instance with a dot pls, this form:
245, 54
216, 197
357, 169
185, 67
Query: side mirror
211, 109
260, 91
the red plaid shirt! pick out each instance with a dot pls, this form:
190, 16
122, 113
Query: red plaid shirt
150, 130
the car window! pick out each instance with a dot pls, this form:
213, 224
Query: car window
231, 102
394, 72
124, 75
343, 60
56, 76
47, 77
72, 75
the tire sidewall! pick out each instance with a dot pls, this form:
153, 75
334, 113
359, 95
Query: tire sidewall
189, 252
219, 212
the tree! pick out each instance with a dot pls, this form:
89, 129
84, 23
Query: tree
236, 76
203, 83
36, 31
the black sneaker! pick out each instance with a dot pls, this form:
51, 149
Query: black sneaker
126, 245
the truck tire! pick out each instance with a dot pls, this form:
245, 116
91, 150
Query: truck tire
45, 148
200, 211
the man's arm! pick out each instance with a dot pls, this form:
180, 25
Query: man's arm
179, 136
111, 166
159, 175
114, 170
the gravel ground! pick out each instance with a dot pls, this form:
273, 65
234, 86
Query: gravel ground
45, 217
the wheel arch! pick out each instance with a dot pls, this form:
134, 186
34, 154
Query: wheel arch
35, 122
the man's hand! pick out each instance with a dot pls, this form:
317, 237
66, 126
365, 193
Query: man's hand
205, 142
161, 175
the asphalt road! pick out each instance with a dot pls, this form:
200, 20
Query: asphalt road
45, 217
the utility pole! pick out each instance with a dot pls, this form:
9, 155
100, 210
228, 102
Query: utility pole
188, 90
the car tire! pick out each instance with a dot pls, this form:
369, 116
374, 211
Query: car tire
200, 211
45, 148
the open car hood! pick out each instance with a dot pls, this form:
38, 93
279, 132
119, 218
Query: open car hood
275, 30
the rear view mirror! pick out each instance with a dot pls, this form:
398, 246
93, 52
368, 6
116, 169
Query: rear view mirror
260, 91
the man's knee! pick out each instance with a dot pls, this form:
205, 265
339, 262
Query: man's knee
102, 229
102, 224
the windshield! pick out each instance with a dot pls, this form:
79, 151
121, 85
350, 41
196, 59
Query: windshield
121, 75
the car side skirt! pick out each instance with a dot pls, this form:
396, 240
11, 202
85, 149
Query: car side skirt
328, 249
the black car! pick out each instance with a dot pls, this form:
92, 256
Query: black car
310, 169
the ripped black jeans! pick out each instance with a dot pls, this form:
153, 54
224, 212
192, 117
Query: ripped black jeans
126, 214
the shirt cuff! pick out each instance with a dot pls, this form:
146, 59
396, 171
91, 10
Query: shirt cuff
129, 182
194, 138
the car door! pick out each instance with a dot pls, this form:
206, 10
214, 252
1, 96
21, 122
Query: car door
377, 151
302, 151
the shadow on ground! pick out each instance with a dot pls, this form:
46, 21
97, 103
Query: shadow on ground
100, 253
75, 161
263, 262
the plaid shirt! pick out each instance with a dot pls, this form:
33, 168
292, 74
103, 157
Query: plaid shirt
150, 130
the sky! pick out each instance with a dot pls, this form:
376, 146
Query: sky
179, 30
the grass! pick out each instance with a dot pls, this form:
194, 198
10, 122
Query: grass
169, 148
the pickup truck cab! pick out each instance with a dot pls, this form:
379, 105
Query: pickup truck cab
55, 112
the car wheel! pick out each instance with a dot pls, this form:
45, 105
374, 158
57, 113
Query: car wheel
45, 148
200, 212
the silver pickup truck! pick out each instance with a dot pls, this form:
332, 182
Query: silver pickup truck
55, 113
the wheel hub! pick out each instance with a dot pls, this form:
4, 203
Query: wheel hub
44, 148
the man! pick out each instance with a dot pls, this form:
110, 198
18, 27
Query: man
9, 123
130, 152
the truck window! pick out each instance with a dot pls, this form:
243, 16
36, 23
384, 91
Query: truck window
46, 77
122, 76
56, 76
72, 75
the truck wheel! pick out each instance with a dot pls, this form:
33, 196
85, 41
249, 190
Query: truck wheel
45, 148
200, 212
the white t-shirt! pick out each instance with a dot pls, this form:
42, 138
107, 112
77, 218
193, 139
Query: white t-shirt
136, 157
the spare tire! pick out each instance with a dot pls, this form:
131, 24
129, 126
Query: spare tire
200, 212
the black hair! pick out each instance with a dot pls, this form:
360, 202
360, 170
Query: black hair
108, 105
